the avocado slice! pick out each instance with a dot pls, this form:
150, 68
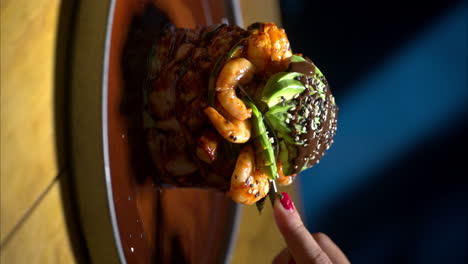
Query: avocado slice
265, 155
296, 58
277, 116
318, 74
284, 159
281, 86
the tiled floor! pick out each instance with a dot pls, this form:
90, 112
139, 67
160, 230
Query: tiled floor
28, 30
42, 236
32, 220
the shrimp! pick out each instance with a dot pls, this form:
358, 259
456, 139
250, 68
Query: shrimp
208, 146
236, 71
248, 185
268, 49
283, 179
235, 131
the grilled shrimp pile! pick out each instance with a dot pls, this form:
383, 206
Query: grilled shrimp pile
202, 131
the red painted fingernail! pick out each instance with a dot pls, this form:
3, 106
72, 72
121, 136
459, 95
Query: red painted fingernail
286, 202
292, 261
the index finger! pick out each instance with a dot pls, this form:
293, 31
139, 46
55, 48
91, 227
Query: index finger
300, 242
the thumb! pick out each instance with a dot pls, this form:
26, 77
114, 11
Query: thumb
301, 244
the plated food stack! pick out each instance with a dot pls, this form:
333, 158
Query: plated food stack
232, 109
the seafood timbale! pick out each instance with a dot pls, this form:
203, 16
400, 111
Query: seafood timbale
232, 109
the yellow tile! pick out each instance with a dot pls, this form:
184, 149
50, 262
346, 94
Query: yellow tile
260, 11
28, 160
259, 240
43, 237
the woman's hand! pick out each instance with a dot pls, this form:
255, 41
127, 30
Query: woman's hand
302, 246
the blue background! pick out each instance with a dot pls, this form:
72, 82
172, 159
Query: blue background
392, 188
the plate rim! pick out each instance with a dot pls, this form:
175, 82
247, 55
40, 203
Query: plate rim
90, 164
86, 130
105, 134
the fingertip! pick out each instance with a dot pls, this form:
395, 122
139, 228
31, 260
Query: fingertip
277, 204
321, 237
287, 202
300, 242
286, 217
284, 202
283, 215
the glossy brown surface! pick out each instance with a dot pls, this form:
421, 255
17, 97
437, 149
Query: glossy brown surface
167, 225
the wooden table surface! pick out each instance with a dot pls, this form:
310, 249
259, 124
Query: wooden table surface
36, 224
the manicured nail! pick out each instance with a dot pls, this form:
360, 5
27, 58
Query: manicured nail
286, 202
